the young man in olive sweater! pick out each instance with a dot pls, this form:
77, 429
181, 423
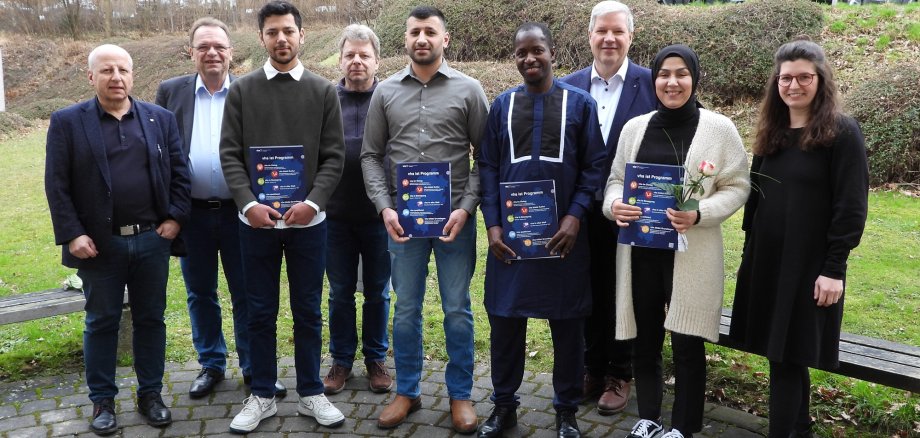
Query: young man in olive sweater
282, 104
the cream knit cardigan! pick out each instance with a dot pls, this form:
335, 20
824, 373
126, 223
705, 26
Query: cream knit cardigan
696, 300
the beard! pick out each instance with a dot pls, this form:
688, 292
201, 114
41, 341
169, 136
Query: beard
433, 56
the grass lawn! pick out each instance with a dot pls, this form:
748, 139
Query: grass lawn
883, 295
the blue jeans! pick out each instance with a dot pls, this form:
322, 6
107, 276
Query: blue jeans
345, 242
304, 250
455, 264
209, 234
141, 263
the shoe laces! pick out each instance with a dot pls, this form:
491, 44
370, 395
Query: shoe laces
253, 405
642, 427
337, 370
320, 402
376, 368
612, 384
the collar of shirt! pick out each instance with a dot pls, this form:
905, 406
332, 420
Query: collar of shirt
271, 71
621, 73
199, 85
102, 112
443, 69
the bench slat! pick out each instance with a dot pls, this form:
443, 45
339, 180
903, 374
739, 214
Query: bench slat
861, 357
51, 302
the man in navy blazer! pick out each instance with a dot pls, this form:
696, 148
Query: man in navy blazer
622, 90
212, 232
117, 184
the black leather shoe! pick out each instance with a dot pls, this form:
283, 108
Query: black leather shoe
566, 425
104, 418
205, 382
152, 408
502, 419
280, 389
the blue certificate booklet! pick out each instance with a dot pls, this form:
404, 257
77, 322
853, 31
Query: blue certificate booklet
653, 229
529, 217
276, 174
423, 198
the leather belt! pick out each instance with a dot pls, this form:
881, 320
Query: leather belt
210, 204
134, 229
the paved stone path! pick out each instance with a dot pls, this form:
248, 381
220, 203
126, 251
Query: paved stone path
58, 406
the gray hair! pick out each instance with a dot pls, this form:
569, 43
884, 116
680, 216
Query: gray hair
207, 22
91, 59
612, 7
359, 32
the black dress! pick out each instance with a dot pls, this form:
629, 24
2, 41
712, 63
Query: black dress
798, 227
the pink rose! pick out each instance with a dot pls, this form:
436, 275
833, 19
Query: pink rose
707, 168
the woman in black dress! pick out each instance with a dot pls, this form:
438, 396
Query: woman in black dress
809, 212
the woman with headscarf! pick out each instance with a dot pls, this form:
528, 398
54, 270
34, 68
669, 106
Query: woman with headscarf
658, 289
800, 229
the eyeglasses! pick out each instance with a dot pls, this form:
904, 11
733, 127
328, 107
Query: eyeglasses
204, 48
803, 79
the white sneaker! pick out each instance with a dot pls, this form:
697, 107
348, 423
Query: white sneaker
645, 429
674, 433
255, 409
320, 408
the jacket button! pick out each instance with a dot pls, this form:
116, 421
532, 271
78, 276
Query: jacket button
108, 220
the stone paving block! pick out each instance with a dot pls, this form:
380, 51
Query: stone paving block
372, 397
545, 391
480, 394
536, 403
428, 431
544, 433
436, 377
368, 427
29, 407
367, 411
437, 403
209, 412
285, 362
228, 397
58, 391
124, 371
58, 415
538, 419
735, 432
138, 432
738, 418
69, 427
426, 417
18, 394
306, 435
545, 378
181, 376
18, 422
29, 432
183, 428
484, 382
430, 388
345, 429
217, 426
185, 400
7, 411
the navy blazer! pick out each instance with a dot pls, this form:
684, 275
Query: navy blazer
77, 180
178, 95
637, 98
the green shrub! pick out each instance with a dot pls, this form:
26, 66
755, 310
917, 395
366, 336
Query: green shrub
735, 52
42, 109
887, 107
883, 41
837, 26
913, 32
12, 123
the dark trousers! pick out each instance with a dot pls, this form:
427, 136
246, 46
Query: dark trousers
508, 345
790, 388
652, 272
211, 235
304, 250
604, 355
141, 263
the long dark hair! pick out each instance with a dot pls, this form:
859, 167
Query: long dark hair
825, 108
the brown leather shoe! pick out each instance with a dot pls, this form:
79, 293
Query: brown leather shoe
615, 396
593, 388
378, 377
334, 382
396, 412
463, 416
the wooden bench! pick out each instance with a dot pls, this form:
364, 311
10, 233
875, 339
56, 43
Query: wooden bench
873, 360
53, 302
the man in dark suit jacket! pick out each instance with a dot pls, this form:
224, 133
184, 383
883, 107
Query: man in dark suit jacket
117, 184
622, 90
212, 231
